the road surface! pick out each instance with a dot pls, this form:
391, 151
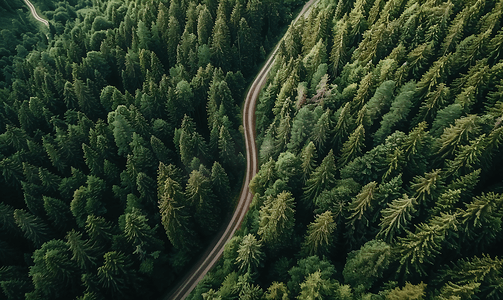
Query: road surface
34, 13
216, 248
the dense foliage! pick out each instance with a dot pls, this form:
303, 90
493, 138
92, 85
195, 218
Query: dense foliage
120, 142
18, 36
380, 143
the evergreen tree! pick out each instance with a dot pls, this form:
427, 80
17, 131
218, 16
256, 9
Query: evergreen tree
116, 274
199, 195
322, 178
368, 264
320, 234
58, 212
84, 252
396, 216
173, 216
353, 146
220, 43
315, 287
250, 254
34, 228
277, 220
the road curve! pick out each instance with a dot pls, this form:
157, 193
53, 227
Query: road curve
216, 248
34, 13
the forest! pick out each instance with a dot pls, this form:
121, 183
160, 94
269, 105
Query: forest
121, 147
380, 142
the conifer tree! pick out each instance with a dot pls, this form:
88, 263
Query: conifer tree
220, 182
456, 135
226, 146
58, 212
308, 156
316, 287
428, 186
321, 129
173, 37
84, 252
421, 248
250, 254
220, 43
480, 219
277, 220
366, 265
116, 274
173, 217
322, 178
34, 228
199, 195
343, 125
395, 218
353, 146
99, 230
338, 55
276, 291
398, 112
320, 235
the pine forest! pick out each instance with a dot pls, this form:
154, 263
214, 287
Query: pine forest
121, 151
380, 144
379, 134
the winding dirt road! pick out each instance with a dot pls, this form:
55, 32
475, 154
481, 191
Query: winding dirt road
34, 13
216, 248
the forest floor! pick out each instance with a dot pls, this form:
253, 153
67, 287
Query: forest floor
216, 248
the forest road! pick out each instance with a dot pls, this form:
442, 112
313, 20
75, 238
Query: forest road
216, 248
34, 13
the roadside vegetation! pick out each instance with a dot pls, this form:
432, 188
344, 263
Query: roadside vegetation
379, 134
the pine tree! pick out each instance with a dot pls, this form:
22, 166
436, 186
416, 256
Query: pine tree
421, 248
308, 156
322, 178
221, 43
116, 274
99, 230
173, 38
84, 252
52, 269
315, 287
204, 25
353, 146
199, 195
360, 204
428, 186
396, 217
321, 129
250, 254
277, 220
58, 212
139, 233
8, 224
456, 135
470, 157
338, 55
400, 108
409, 292
366, 265
220, 183
320, 234
343, 125
480, 220
173, 216
276, 291
226, 148
34, 228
